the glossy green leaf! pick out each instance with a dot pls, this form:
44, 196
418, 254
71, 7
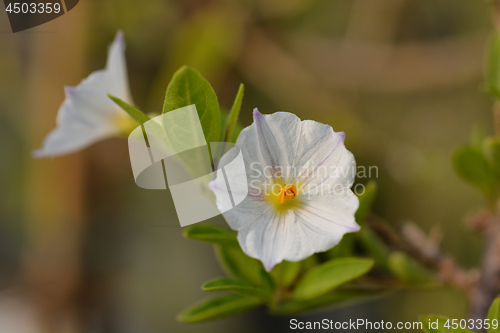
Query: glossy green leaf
325, 277
232, 119
189, 87
494, 313
366, 202
136, 114
436, 324
237, 264
236, 286
407, 269
286, 272
211, 233
217, 307
472, 166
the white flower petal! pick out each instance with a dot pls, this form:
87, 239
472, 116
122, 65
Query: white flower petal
319, 148
340, 167
282, 141
263, 149
278, 137
249, 210
324, 209
296, 234
332, 214
71, 138
87, 114
270, 238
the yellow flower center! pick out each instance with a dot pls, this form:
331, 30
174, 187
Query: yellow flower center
287, 193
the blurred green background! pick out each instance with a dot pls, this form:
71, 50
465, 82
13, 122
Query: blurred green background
83, 249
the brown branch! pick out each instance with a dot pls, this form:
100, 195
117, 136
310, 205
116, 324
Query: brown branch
427, 248
413, 241
489, 283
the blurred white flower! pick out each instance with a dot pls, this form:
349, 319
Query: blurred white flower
87, 115
299, 176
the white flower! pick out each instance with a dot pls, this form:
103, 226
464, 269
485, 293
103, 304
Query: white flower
87, 115
299, 176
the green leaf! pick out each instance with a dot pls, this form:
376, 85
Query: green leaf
435, 324
237, 264
372, 243
494, 313
366, 202
233, 115
286, 272
237, 129
137, 114
325, 277
236, 286
217, 307
472, 166
309, 262
343, 249
408, 270
492, 64
267, 281
491, 148
189, 87
218, 150
335, 298
492, 90
210, 233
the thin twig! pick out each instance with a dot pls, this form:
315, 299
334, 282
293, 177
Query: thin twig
488, 287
